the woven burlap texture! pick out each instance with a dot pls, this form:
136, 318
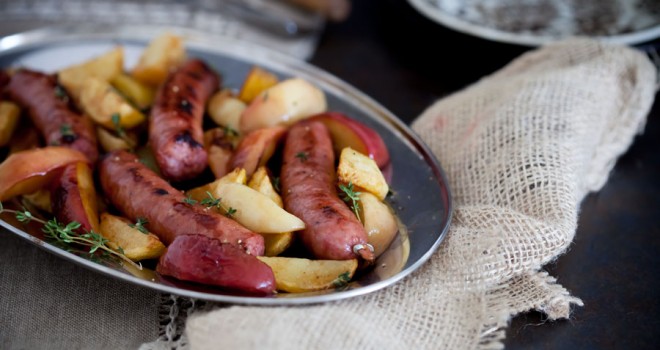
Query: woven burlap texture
521, 149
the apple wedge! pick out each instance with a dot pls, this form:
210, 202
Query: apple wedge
256, 81
275, 244
73, 197
219, 145
283, 104
135, 244
346, 132
104, 67
225, 109
39, 199
200, 193
28, 171
254, 210
378, 221
361, 171
256, 148
110, 142
162, 55
295, 275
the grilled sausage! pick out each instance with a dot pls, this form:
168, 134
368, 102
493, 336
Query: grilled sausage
205, 260
308, 186
175, 125
50, 110
139, 193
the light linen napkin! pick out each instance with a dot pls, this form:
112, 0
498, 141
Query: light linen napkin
521, 149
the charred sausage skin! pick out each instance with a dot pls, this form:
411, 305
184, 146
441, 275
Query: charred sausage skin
140, 193
308, 187
50, 110
175, 124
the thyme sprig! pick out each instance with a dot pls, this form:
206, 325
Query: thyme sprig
116, 121
303, 156
351, 197
140, 225
212, 202
67, 236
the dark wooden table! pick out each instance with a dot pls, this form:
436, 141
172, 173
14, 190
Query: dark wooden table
406, 62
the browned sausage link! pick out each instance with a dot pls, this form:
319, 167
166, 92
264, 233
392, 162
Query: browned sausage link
308, 185
50, 110
175, 126
140, 193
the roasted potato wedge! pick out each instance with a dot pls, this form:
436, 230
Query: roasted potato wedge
163, 54
101, 102
110, 142
255, 83
140, 94
104, 67
135, 244
225, 109
236, 176
295, 275
362, 171
9, 115
379, 222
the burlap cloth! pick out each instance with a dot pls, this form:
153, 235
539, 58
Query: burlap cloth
521, 149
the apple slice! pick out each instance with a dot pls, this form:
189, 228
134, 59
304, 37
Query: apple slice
73, 197
219, 145
275, 244
28, 171
200, 193
225, 109
256, 211
111, 142
103, 104
140, 94
346, 132
297, 275
283, 104
256, 82
379, 222
256, 148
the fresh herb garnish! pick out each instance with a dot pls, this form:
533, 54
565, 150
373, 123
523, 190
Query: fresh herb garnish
302, 156
189, 200
67, 133
342, 280
229, 131
60, 93
211, 202
276, 183
351, 197
139, 225
66, 235
116, 121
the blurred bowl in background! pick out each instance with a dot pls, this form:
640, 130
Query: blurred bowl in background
536, 22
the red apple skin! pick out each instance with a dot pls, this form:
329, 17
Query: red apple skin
256, 148
69, 200
346, 132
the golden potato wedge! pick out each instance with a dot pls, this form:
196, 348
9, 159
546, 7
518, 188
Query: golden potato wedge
110, 142
362, 171
225, 109
100, 101
255, 83
163, 54
140, 94
199, 193
135, 244
104, 67
9, 116
295, 275
275, 243
378, 221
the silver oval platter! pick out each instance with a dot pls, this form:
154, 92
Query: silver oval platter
421, 198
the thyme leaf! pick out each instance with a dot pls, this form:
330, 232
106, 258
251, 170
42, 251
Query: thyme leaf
140, 225
351, 197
